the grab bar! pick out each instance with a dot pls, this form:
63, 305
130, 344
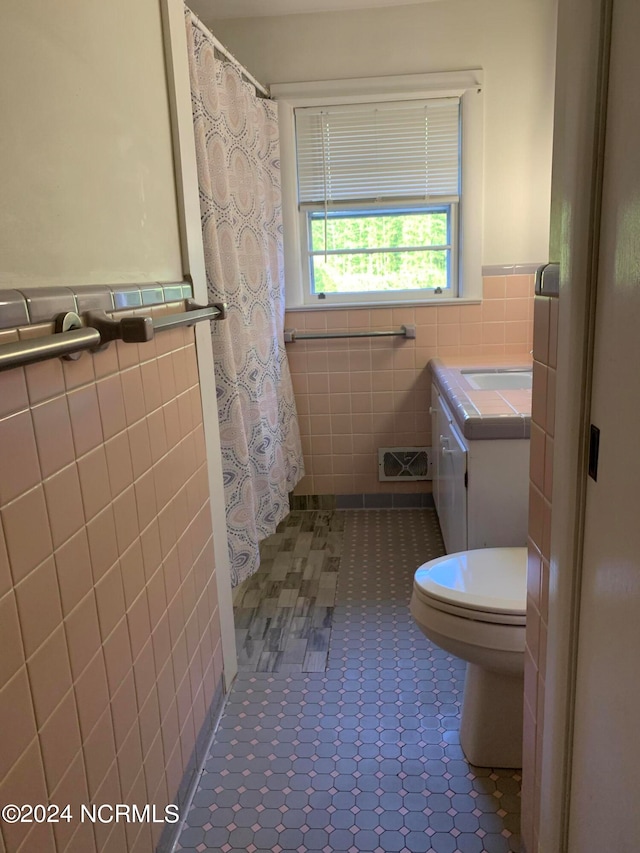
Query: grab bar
292, 335
72, 336
193, 314
64, 345
141, 329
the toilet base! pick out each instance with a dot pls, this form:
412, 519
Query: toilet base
491, 718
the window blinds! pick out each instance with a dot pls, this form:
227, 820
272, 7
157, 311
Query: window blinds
400, 150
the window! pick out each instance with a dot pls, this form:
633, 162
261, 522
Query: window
381, 189
378, 192
385, 250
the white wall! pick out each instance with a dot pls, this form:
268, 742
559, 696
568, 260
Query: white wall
87, 188
512, 40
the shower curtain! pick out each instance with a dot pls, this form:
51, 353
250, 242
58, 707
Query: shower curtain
237, 148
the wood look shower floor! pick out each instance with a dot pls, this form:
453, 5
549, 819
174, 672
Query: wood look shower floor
283, 612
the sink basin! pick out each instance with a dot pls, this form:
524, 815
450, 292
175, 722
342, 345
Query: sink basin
498, 380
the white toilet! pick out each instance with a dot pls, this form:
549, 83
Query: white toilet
473, 605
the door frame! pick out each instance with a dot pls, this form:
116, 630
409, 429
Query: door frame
580, 107
579, 130
193, 263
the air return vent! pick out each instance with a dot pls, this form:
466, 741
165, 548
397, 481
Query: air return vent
404, 463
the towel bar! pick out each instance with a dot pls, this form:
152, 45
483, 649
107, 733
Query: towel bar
96, 330
61, 344
141, 329
292, 335
193, 314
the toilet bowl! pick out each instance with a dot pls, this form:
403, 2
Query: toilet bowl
473, 605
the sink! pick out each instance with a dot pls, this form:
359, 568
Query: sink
498, 380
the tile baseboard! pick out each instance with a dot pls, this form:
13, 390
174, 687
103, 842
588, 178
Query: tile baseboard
415, 500
188, 785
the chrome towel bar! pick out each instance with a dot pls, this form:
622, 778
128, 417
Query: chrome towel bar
62, 344
193, 314
95, 330
141, 329
292, 335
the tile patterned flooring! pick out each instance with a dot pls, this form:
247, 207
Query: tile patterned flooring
283, 613
363, 757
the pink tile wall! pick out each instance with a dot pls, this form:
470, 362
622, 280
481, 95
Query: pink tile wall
545, 343
109, 626
354, 396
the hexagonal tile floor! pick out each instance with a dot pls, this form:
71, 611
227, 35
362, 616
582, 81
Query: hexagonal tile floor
364, 757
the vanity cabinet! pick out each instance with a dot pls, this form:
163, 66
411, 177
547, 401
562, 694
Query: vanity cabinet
480, 487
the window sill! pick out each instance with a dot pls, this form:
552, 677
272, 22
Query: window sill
400, 303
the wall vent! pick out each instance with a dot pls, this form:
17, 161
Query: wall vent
404, 463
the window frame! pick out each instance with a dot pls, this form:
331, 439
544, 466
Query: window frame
468, 86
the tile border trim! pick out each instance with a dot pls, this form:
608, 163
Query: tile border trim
472, 423
29, 305
376, 500
195, 766
548, 280
509, 269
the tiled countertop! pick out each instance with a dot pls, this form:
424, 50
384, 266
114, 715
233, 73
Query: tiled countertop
484, 414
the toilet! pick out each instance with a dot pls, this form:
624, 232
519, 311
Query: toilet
473, 605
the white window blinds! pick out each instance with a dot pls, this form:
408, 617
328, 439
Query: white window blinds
399, 150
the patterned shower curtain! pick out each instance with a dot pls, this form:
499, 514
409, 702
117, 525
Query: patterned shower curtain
237, 148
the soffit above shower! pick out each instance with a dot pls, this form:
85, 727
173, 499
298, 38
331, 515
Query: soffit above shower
211, 9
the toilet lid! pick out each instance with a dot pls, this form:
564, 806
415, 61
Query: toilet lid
491, 580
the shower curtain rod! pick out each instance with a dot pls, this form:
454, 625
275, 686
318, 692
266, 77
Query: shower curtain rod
219, 46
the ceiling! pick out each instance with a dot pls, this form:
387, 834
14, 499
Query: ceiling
216, 9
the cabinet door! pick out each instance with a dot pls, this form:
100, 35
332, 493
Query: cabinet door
452, 489
497, 493
436, 422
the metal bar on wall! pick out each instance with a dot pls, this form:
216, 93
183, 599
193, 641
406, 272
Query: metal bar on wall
97, 329
292, 335
50, 346
228, 55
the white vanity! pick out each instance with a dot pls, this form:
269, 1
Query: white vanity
480, 439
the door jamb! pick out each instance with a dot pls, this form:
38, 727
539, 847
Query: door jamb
575, 243
188, 202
